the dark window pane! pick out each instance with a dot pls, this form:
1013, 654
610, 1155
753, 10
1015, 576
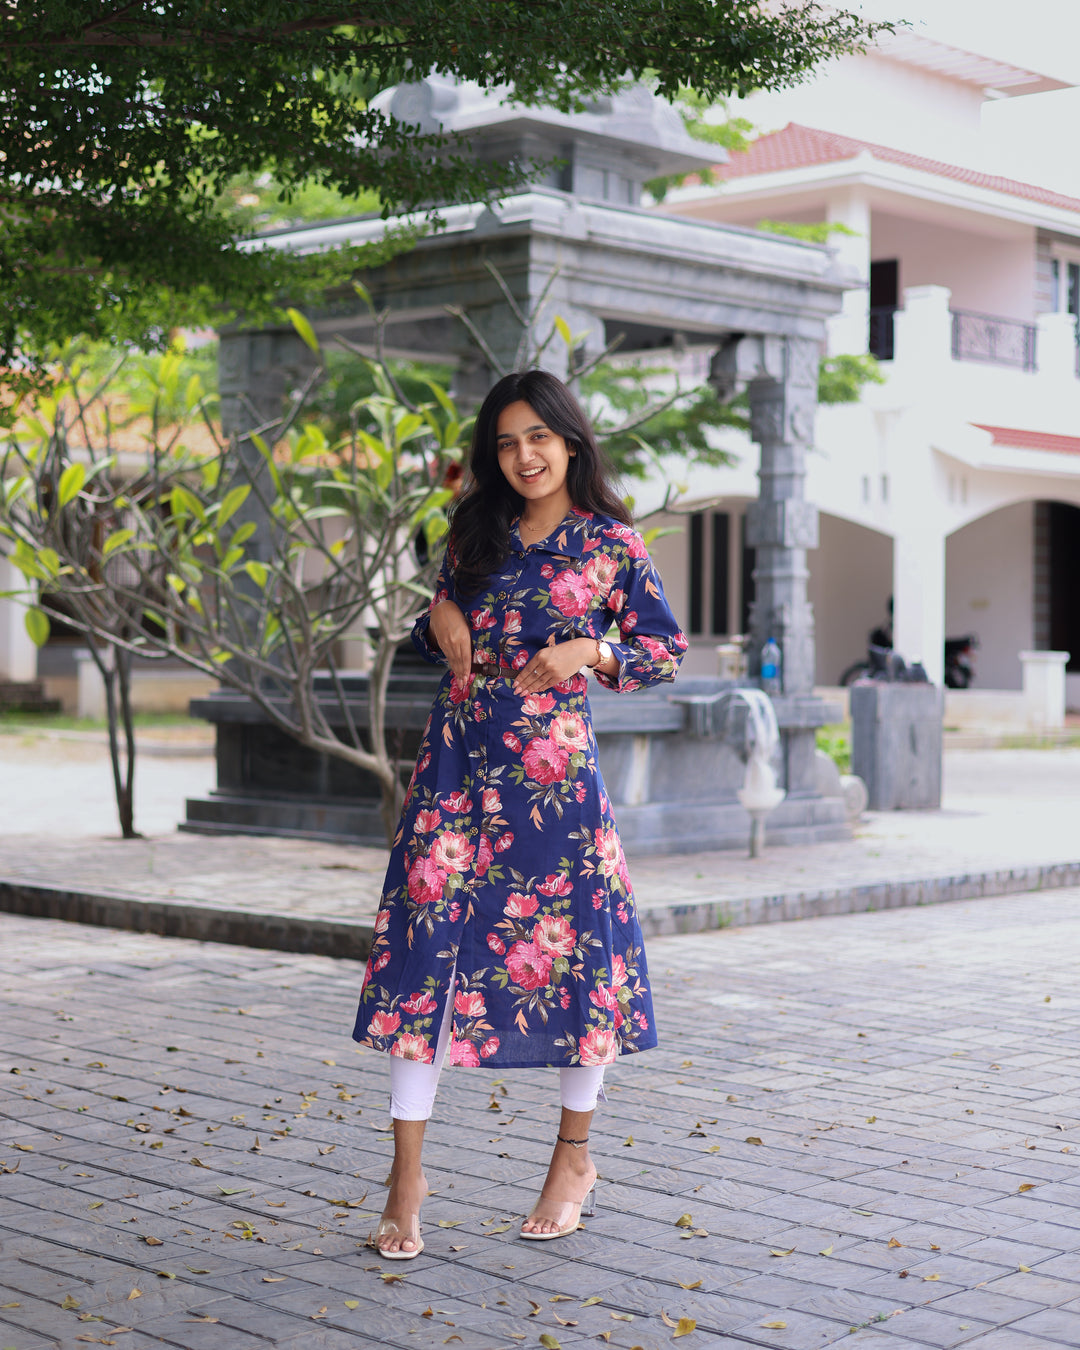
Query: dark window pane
720, 526
697, 571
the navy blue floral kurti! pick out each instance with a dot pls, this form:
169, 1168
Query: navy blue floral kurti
507, 865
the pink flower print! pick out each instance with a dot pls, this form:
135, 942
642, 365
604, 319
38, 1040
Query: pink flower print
420, 1004
600, 573
598, 899
564, 999
635, 545
470, 1004
534, 705
512, 621
484, 855
464, 1052
571, 594
459, 689
580, 792
604, 997
384, 1024
411, 1046
520, 659
552, 933
482, 618
567, 730
618, 972
426, 821
656, 650
489, 1047
511, 742
547, 571
621, 912
426, 881
641, 1020
609, 849
382, 921
422, 766
544, 761
628, 622
453, 913
452, 851
556, 883
497, 945
529, 967
598, 1047
457, 803
504, 841
616, 600
490, 801
520, 906
379, 962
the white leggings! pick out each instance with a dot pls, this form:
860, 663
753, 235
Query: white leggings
413, 1085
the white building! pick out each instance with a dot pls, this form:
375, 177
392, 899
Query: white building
955, 485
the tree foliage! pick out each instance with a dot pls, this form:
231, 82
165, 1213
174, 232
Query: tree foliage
130, 128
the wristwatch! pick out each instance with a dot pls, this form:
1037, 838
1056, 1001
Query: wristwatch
603, 653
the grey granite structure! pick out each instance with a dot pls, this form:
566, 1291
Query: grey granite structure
758, 302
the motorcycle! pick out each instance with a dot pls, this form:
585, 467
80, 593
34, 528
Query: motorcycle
884, 663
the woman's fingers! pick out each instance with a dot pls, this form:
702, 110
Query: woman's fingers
450, 629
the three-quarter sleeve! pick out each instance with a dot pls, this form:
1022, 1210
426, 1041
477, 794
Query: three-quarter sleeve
444, 590
652, 644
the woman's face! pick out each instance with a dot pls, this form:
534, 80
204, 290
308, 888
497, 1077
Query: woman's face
534, 459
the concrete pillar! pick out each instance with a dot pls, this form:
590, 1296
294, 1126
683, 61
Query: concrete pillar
922, 342
18, 655
781, 377
1055, 347
919, 599
849, 331
1044, 689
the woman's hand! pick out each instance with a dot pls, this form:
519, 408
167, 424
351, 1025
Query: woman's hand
449, 629
552, 665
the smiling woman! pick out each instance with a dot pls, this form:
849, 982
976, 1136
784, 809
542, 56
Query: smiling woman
507, 931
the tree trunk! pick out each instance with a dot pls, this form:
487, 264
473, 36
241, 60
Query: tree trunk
117, 672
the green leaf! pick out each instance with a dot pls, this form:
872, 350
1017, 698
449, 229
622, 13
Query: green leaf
304, 328
563, 329
232, 502
258, 572
71, 483
116, 540
38, 626
244, 532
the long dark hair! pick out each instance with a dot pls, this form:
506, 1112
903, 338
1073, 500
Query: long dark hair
480, 521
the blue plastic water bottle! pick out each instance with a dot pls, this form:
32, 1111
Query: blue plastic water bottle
771, 667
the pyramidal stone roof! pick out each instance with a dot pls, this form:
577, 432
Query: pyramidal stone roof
798, 147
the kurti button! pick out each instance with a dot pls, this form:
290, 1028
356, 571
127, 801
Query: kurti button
502, 596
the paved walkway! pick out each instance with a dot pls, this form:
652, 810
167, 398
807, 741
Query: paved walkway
1007, 815
858, 1131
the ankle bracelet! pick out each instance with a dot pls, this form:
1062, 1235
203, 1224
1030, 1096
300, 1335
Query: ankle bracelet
576, 1143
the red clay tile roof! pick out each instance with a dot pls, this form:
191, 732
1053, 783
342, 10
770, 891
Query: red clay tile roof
1032, 440
797, 147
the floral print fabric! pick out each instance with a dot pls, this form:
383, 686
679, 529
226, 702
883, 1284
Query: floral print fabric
507, 868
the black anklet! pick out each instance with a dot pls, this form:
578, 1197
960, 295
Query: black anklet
577, 1143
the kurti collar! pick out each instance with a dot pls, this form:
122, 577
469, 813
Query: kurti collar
565, 540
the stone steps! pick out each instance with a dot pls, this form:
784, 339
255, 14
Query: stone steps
26, 696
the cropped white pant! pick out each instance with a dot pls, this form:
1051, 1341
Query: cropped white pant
413, 1085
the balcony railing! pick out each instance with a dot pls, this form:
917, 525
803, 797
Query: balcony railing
1000, 342
881, 332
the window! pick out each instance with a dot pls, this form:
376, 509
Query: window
710, 592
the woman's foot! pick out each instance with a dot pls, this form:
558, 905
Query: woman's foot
569, 1182
398, 1234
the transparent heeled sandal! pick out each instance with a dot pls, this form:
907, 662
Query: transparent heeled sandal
566, 1214
391, 1228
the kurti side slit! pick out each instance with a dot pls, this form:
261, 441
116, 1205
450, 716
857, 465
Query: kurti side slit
507, 867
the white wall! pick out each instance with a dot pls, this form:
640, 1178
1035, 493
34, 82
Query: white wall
986, 273
18, 655
990, 589
849, 587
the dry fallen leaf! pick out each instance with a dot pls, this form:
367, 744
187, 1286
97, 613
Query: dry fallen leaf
622, 1317
564, 1321
321, 1313
591, 1302
450, 1223
667, 1321
684, 1221
352, 1303
153, 1242
274, 1279
135, 1293
70, 1302
894, 1243
696, 1285
777, 1251
752, 1139
775, 1326
1026, 1270
826, 1251
201, 1319
934, 1247
931, 1277
1026, 1186
685, 1326
549, 1342
628, 1142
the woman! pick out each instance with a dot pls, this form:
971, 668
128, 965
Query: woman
507, 930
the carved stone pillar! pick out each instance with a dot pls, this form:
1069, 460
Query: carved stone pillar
780, 375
